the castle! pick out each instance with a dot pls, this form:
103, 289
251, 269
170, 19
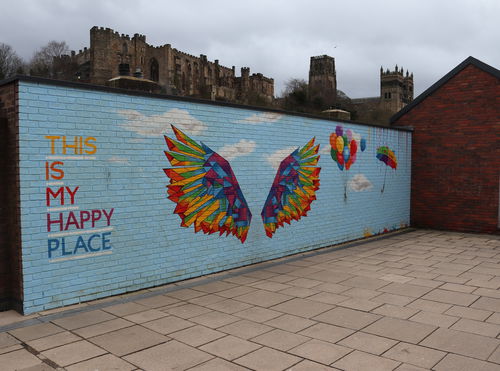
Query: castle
111, 55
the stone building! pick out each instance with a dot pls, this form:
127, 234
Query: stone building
322, 81
175, 71
396, 89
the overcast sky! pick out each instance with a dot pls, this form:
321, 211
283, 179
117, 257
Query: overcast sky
277, 37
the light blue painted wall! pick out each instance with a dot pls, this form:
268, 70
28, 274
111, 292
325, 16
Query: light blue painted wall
148, 247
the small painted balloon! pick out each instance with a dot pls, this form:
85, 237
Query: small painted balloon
340, 158
340, 144
363, 144
333, 138
339, 131
333, 153
354, 147
346, 154
349, 134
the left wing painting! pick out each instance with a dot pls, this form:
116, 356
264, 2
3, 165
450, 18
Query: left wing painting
205, 189
294, 188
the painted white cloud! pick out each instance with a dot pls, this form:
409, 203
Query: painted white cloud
261, 118
119, 160
154, 125
275, 158
359, 183
242, 148
325, 149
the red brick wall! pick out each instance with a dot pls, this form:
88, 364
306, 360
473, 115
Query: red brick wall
10, 246
456, 154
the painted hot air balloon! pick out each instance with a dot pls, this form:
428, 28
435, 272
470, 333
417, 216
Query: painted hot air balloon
387, 156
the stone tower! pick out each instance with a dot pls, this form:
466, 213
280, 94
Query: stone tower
396, 89
323, 81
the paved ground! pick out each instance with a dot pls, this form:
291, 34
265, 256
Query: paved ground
413, 301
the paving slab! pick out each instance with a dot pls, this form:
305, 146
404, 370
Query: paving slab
17, 360
455, 362
83, 319
105, 362
168, 356
290, 323
399, 329
35, 331
345, 317
281, 340
268, 359
320, 351
360, 361
128, 340
462, 343
230, 347
368, 343
415, 355
53, 341
197, 335
72, 353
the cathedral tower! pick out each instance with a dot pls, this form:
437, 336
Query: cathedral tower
396, 89
323, 81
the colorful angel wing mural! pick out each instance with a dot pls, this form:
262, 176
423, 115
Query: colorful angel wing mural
205, 189
294, 188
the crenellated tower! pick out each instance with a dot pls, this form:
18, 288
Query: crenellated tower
396, 89
323, 81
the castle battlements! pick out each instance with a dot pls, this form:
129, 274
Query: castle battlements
172, 70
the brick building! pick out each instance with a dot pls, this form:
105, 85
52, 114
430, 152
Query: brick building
456, 150
176, 72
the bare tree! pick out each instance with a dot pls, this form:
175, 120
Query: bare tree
42, 63
10, 62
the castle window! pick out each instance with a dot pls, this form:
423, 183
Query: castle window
154, 70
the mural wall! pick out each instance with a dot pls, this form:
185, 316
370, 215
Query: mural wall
122, 192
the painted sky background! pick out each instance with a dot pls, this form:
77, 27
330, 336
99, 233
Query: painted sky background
277, 37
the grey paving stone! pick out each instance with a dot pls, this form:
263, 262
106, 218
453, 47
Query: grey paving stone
230, 347
18, 359
455, 362
415, 355
72, 353
462, 343
83, 319
302, 307
323, 331
128, 340
451, 297
477, 327
268, 359
368, 343
360, 361
290, 323
400, 329
345, 317
168, 356
35, 331
105, 362
320, 351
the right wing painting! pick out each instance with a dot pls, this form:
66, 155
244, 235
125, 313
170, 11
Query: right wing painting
294, 188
